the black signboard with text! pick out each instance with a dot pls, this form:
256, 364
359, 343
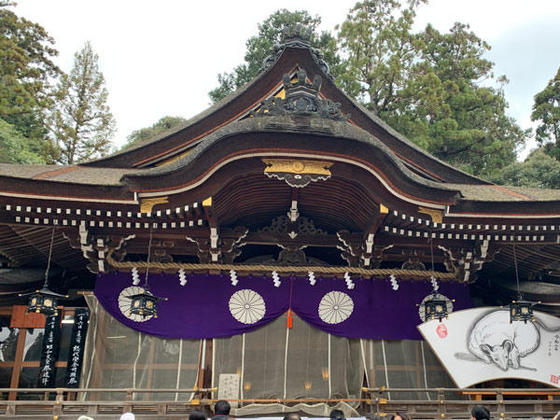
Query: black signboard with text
77, 343
49, 352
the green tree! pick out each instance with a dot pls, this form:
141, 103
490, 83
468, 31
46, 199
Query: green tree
539, 170
81, 124
26, 69
261, 46
16, 148
379, 50
163, 125
454, 113
432, 87
546, 110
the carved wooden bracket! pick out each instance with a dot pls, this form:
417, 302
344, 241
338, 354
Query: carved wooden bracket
351, 247
378, 251
220, 249
95, 248
465, 263
414, 261
300, 226
358, 251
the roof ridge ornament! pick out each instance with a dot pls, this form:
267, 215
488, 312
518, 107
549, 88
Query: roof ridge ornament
296, 36
302, 98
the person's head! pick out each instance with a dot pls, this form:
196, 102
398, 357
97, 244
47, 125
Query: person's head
292, 416
222, 407
337, 415
127, 416
480, 412
400, 416
197, 415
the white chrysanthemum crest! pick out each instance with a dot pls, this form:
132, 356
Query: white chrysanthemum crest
349, 283
182, 277
394, 282
233, 277
276, 279
312, 279
135, 276
435, 284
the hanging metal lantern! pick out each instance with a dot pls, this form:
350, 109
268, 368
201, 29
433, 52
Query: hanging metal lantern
435, 309
521, 310
44, 301
435, 306
144, 304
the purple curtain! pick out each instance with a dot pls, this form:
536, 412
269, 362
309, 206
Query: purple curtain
209, 306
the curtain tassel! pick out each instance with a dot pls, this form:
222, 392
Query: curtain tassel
290, 319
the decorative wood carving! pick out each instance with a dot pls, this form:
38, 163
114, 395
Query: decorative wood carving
465, 263
220, 249
147, 204
360, 252
378, 251
231, 247
96, 247
351, 247
291, 255
285, 230
414, 261
301, 99
302, 226
436, 215
296, 36
297, 173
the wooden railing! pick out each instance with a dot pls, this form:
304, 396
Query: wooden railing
424, 403
443, 403
99, 403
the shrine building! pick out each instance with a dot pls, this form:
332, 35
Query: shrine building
278, 250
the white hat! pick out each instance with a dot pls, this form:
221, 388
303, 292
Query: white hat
85, 418
127, 416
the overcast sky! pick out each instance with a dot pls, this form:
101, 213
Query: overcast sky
161, 58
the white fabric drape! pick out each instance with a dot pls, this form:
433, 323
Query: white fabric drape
301, 362
404, 364
272, 362
119, 357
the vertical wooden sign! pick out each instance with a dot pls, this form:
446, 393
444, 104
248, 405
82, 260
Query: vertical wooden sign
49, 352
77, 343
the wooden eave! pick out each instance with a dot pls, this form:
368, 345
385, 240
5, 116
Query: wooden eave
236, 151
311, 138
249, 97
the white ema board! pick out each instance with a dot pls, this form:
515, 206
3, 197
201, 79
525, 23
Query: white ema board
228, 387
477, 345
